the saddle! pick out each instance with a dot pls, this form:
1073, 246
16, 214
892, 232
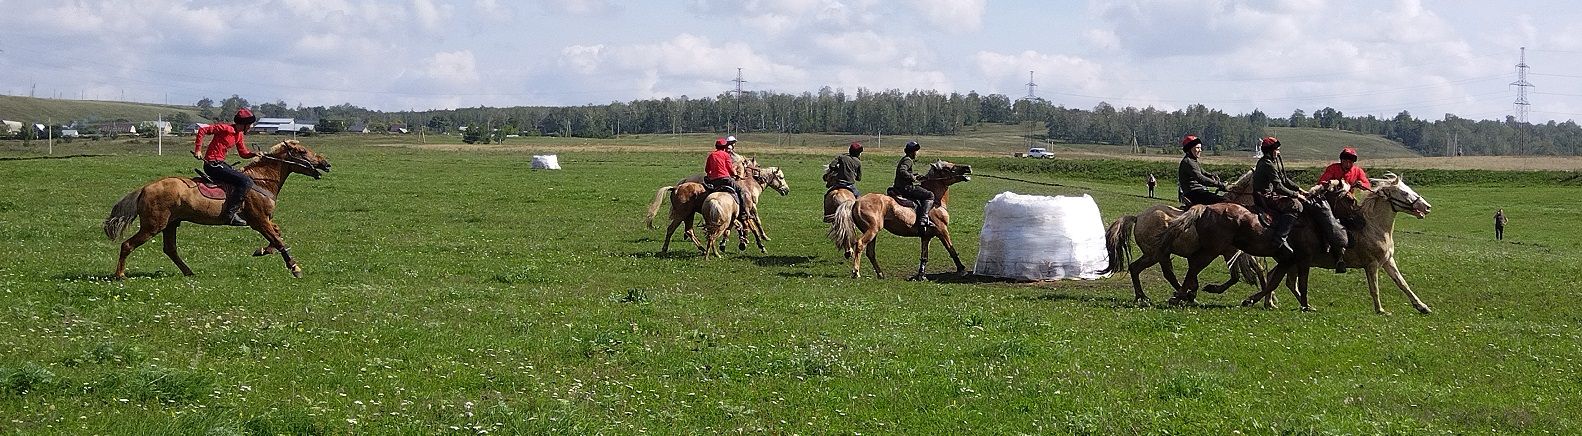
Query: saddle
903, 201
206, 186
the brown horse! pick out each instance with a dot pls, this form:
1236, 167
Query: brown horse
1375, 241
1228, 226
163, 204
1147, 225
719, 214
834, 197
856, 223
686, 200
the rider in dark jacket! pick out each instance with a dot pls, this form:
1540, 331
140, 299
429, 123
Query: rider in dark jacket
1190, 178
1274, 190
907, 184
846, 170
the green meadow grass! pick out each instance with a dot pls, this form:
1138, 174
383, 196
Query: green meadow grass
462, 292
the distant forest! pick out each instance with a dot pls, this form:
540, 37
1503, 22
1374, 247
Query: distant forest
919, 112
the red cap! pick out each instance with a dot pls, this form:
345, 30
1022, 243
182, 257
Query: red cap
244, 116
1270, 141
1348, 153
720, 143
1189, 140
855, 146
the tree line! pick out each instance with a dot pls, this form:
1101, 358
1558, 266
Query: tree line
928, 112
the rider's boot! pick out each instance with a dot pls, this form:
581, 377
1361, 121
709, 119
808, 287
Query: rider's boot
1282, 233
1340, 259
922, 213
229, 214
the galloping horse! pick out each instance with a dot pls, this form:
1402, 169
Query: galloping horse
856, 223
1375, 242
163, 204
834, 197
1147, 225
719, 213
686, 200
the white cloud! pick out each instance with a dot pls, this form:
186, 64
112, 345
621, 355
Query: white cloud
456, 67
953, 16
1060, 73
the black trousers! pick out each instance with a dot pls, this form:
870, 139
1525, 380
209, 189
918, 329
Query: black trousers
1499, 233
914, 193
231, 180
1202, 197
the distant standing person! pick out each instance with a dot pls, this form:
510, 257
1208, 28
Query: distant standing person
1152, 182
1499, 224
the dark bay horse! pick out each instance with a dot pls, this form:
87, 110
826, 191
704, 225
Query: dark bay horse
163, 204
856, 223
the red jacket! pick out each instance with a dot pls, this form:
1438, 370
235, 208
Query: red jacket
225, 135
1356, 177
718, 166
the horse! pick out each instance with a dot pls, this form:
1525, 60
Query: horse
719, 212
856, 224
1147, 225
686, 200
162, 205
834, 197
1375, 242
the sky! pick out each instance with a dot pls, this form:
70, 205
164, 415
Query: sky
1360, 57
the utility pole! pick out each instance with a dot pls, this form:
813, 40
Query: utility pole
49, 133
1521, 85
159, 135
736, 121
1027, 109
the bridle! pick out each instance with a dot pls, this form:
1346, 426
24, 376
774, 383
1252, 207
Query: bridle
1396, 204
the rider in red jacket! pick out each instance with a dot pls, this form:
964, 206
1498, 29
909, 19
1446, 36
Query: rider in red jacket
234, 182
719, 174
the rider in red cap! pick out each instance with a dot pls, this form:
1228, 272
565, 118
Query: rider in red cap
1191, 181
846, 170
1346, 170
234, 182
720, 174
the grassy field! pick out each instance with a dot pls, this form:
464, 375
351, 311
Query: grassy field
462, 292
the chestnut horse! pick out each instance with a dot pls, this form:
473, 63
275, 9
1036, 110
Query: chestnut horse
719, 213
856, 223
163, 204
834, 197
1147, 225
686, 200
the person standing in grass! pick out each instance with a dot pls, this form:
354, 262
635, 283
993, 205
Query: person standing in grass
1499, 224
1152, 182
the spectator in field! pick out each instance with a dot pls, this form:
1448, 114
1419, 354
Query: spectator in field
908, 185
719, 174
236, 184
847, 169
1191, 181
1151, 183
1499, 224
1347, 170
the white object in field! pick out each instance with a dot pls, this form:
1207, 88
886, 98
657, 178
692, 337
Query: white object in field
546, 162
1035, 237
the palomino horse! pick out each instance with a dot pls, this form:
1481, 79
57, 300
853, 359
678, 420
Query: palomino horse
856, 223
686, 200
719, 213
1147, 225
163, 204
1375, 242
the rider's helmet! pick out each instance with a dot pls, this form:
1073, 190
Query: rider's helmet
1189, 141
720, 144
244, 116
912, 146
1348, 153
730, 140
855, 148
1270, 144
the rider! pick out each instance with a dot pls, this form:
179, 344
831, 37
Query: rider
1347, 170
1273, 190
720, 174
235, 183
847, 169
907, 185
1191, 179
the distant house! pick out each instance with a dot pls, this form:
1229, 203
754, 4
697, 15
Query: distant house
8, 126
398, 128
158, 127
280, 125
357, 128
114, 128
69, 133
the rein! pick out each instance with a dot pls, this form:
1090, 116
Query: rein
276, 159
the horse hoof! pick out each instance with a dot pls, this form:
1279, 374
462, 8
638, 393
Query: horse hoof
1309, 309
855, 275
296, 272
1424, 310
918, 278
1248, 302
259, 252
1144, 302
1382, 312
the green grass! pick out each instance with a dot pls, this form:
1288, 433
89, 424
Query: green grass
1303, 143
451, 291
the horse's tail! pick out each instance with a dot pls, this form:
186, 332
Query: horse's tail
843, 229
659, 200
1117, 241
1181, 224
122, 214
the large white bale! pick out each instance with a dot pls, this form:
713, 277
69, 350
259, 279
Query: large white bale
1035, 237
546, 162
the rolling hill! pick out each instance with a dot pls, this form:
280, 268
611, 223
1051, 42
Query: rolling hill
1304, 143
38, 110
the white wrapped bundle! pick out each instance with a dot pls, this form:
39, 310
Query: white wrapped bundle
546, 162
1035, 237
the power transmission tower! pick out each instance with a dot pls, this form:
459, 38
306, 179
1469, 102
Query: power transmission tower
1027, 111
737, 120
1521, 85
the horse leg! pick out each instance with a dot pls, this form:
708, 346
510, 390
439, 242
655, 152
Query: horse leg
873, 257
759, 226
144, 233
1168, 269
1372, 272
170, 249
1270, 283
1188, 292
271, 232
1301, 280
950, 247
1400, 282
922, 261
1235, 277
668, 232
1137, 267
742, 228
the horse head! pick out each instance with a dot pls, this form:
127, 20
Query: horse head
297, 158
773, 178
1401, 197
948, 173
